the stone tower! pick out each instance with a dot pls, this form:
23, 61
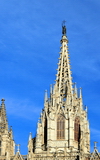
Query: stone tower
6, 136
63, 128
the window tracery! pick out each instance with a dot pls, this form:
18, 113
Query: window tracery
77, 129
60, 128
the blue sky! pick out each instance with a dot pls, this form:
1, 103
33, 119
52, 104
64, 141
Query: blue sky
30, 33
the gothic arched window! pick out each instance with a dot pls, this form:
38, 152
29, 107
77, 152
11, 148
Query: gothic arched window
60, 127
77, 129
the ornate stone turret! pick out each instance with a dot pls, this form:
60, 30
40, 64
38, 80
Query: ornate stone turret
6, 136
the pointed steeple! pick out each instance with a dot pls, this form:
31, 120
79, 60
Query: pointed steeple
45, 97
80, 97
75, 91
3, 118
51, 94
63, 84
95, 154
95, 145
30, 136
80, 92
18, 147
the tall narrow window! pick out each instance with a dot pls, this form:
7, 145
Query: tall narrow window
77, 129
60, 127
45, 133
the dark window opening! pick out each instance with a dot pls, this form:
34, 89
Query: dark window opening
45, 134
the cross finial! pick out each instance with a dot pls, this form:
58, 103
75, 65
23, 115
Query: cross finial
63, 23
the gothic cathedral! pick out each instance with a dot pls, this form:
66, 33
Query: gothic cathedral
63, 129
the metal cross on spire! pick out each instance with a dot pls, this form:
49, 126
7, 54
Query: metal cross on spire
63, 23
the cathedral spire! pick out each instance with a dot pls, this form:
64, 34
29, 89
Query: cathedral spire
3, 118
63, 84
63, 126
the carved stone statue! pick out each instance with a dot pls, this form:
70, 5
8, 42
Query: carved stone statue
64, 30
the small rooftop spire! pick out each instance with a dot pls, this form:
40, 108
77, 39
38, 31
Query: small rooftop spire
4, 123
46, 96
95, 145
30, 136
51, 90
18, 147
75, 89
80, 92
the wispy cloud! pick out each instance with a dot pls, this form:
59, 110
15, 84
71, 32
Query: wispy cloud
22, 108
